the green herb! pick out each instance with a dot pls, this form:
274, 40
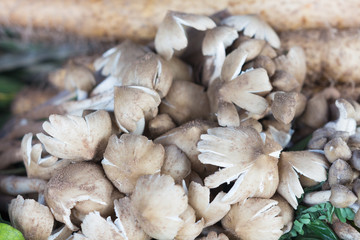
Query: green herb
8, 232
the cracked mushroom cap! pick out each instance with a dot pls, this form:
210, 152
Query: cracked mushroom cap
253, 26
76, 138
211, 211
287, 105
185, 138
150, 71
132, 104
243, 156
129, 157
214, 45
34, 220
176, 164
157, 204
310, 164
36, 165
127, 221
256, 219
185, 101
171, 34
245, 89
191, 228
80, 187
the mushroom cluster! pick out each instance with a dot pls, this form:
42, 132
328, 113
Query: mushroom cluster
181, 139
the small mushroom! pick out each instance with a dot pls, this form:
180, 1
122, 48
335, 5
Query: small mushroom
185, 101
345, 122
337, 148
340, 172
34, 220
191, 228
233, 64
245, 89
287, 105
36, 165
171, 35
132, 105
344, 230
211, 211
130, 226
253, 26
341, 196
257, 218
129, 157
157, 204
244, 158
176, 164
160, 125
284, 81
253, 47
80, 187
214, 45
77, 138
310, 164
320, 137
317, 197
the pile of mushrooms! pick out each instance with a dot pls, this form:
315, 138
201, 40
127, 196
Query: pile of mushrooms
181, 139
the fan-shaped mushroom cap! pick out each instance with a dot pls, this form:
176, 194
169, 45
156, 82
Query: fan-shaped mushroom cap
287, 105
126, 220
185, 101
245, 89
82, 184
176, 164
132, 104
253, 26
310, 164
34, 220
211, 211
77, 138
243, 156
37, 166
337, 148
287, 212
214, 45
129, 157
157, 204
160, 125
214, 236
294, 62
149, 71
191, 228
171, 35
185, 138
256, 219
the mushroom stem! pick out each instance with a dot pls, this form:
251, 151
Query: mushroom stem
15, 185
344, 231
355, 207
317, 197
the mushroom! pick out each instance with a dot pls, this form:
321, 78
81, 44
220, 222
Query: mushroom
320, 137
257, 218
253, 26
181, 71
214, 236
185, 101
34, 220
129, 157
337, 148
95, 227
245, 89
132, 105
244, 158
14, 185
79, 188
253, 47
77, 138
191, 228
287, 105
176, 164
185, 138
317, 197
345, 122
284, 81
262, 62
127, 221
340, 172
157, 204
341, 196
294, 62
233, 64
171, 35
160, 124
344, 230
214, 45
211, 211
287, 212
310, 164
36, 165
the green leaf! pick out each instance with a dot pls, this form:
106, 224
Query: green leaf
8, 232
320, 229
301, 145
